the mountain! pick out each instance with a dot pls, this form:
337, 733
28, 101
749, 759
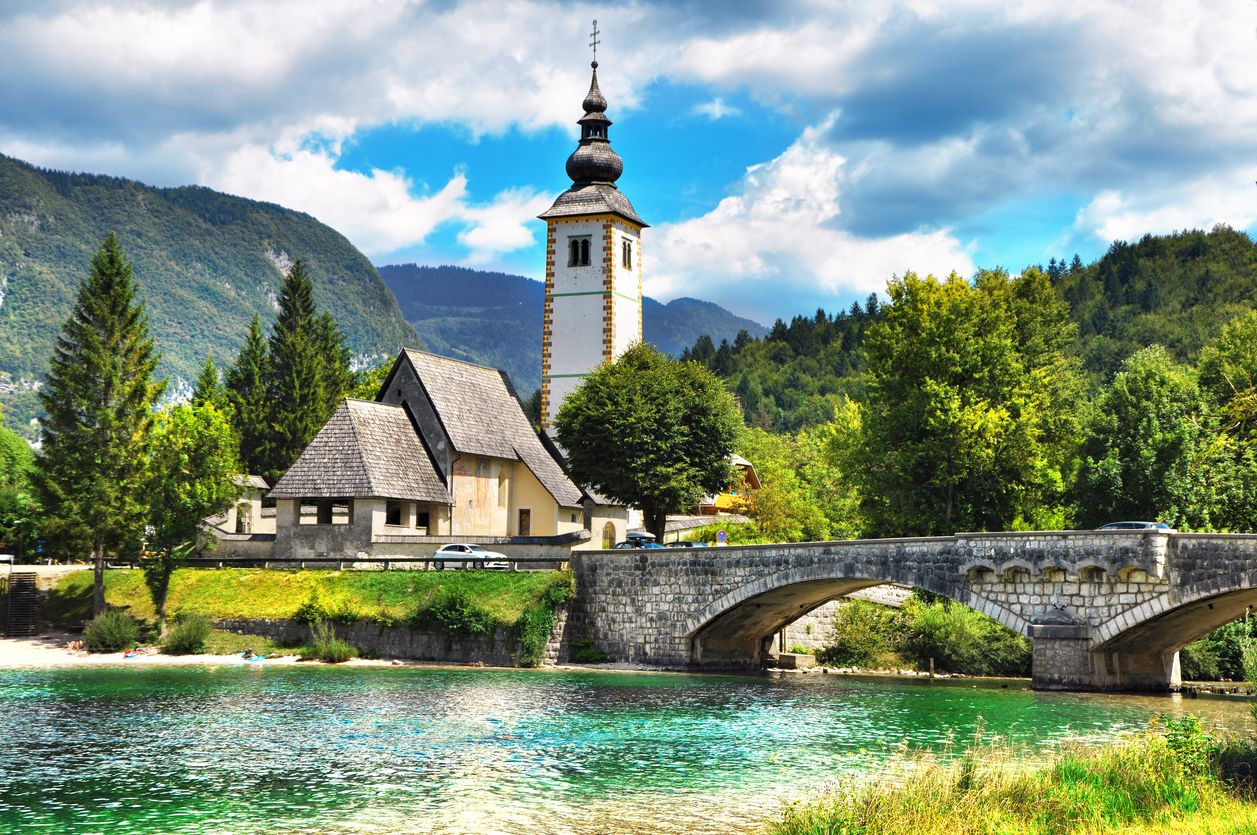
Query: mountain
205, 262
495, 318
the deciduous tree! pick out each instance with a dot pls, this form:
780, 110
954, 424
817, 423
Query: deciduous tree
191, 477
99, 396
651, 432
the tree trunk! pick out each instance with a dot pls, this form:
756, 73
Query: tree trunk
98, 579
656, 521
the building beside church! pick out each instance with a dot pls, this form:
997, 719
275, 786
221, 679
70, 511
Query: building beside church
445, 453
593, 302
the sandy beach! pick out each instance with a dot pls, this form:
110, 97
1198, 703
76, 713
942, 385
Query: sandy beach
50, 651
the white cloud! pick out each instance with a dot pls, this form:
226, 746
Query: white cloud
505, 225
717, 108
775, 237
1229, 198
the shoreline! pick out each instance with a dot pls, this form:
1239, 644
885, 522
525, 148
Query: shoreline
50, 652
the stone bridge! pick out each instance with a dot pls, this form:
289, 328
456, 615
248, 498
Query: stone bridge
1105, 610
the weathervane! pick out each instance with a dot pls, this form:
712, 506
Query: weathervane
593, 42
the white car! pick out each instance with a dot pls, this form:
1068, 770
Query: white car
471, 556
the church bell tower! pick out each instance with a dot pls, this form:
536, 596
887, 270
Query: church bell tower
593, 303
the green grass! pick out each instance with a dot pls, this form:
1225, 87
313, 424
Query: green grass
221, 642
389, 597
1177, 781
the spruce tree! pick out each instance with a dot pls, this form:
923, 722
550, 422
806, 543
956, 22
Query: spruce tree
309, 374
208, 388
99, 396
246, 389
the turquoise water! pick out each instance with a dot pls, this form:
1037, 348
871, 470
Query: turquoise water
381, 750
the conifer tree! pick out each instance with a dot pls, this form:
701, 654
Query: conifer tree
99, 396
309, 374
246, 390
208, 388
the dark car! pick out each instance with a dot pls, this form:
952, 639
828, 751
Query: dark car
635, 543
1136, 526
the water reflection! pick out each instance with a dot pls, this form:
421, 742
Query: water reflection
460, 751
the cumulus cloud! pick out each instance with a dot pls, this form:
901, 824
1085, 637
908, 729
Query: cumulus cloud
925, 116
775, 238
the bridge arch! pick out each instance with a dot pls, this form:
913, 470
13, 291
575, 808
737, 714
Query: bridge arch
732, 629
1170, 621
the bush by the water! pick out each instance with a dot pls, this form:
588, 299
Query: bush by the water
187, 635
959, 639
111, 631
537, 622
325, 646
1218, 656
1171, 779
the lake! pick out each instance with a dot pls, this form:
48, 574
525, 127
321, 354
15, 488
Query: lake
434, 750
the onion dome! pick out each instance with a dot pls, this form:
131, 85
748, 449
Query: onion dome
594, 161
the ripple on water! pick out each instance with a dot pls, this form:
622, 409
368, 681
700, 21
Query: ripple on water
359, 750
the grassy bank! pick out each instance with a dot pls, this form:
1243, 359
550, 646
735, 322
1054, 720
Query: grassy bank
1172, 779
475, 602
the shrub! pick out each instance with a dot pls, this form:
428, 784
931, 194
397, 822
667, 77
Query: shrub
537, 623
1219, 655
583, 652
453, 610
111, 631
964, 641
187, 635
325, 646
865, 635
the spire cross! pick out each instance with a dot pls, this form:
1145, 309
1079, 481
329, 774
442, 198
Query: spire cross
593, 40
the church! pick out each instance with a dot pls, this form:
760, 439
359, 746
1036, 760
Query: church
445, 452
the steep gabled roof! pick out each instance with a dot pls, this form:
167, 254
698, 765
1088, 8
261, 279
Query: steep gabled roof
480, 412
364, 449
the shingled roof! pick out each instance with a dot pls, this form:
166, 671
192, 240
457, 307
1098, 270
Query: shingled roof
365, 449
482, 416
592, 198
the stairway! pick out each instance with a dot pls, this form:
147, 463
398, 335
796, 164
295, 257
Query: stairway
23, 606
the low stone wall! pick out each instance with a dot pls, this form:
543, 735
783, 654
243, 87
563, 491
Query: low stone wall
501, 648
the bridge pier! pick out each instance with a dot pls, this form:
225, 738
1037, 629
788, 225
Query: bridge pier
1064, 659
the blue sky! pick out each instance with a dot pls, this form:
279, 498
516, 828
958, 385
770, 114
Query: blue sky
789, 155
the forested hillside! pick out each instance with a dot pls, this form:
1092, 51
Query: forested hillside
495, 318
205, 263
1175, 290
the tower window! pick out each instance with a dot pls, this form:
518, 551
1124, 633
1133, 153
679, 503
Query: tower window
578, 252
627, 254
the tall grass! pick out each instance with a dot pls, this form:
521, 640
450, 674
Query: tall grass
1173, 778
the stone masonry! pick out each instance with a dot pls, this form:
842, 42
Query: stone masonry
1105, 610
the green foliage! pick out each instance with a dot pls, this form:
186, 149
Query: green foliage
455, 610
188, 635
1219, 655
1175, 290
650, 432
537, 623
368, 381
325, 646
19, 510
207, 262
1148, 448
111, 631
970, 413
1175, 781
191, 477
246, 382
959, 639
803, 495
99, 399
797, 374
308, 375
584, 652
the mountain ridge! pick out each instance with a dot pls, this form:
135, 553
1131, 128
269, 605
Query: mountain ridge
450, 307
